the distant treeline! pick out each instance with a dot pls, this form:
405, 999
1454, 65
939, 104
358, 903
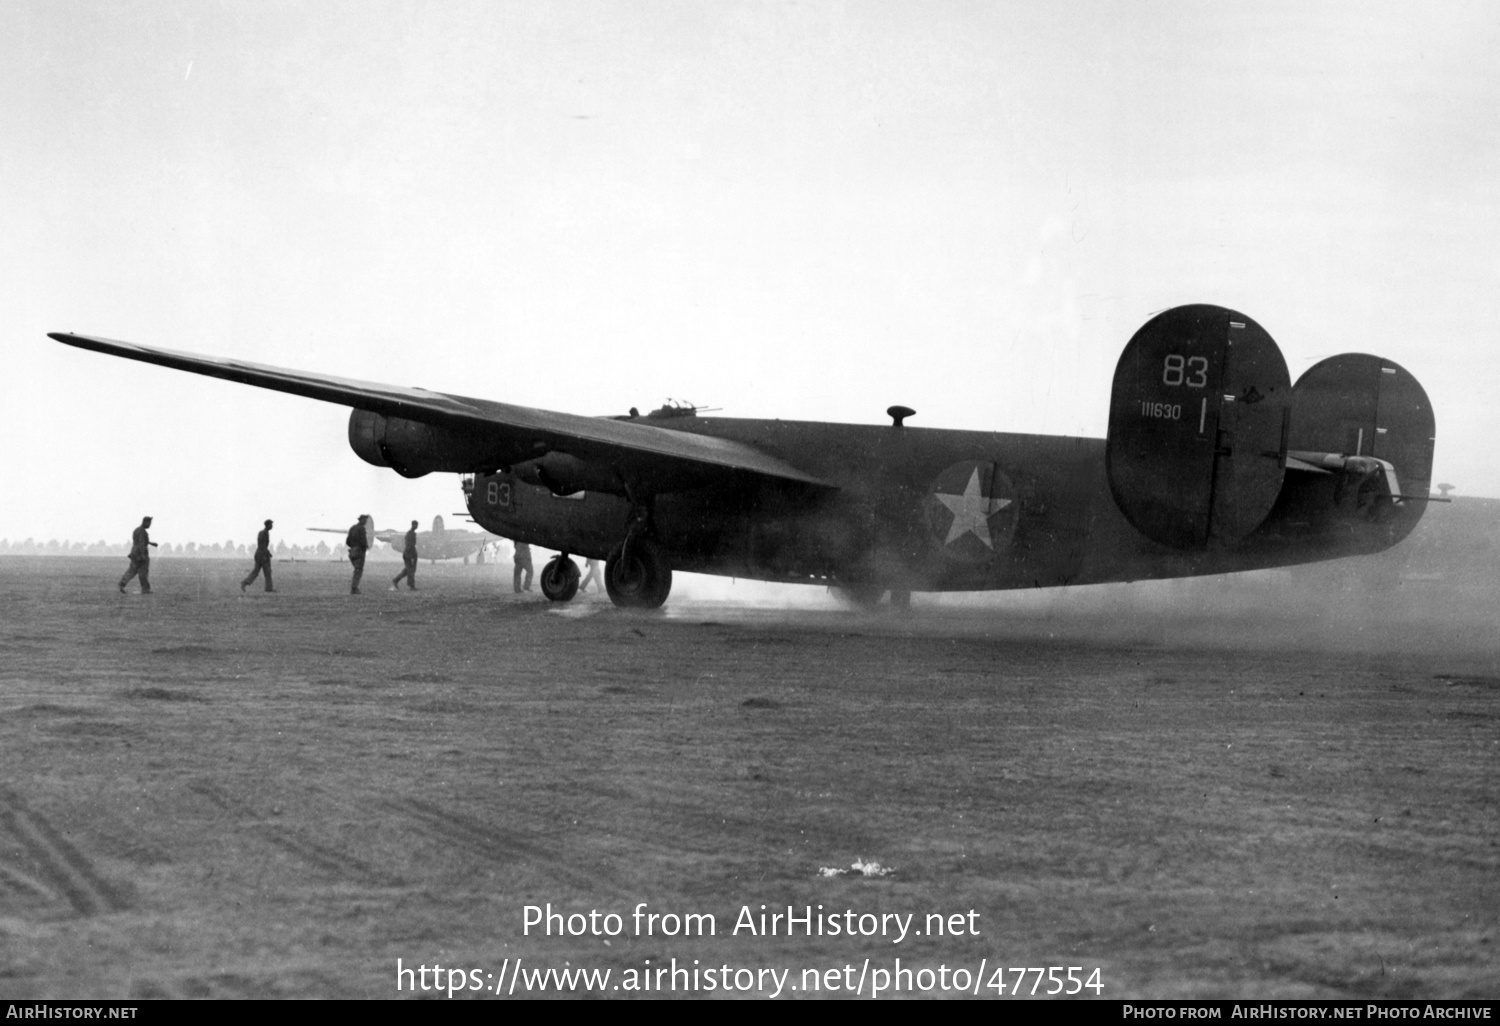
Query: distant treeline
223, 550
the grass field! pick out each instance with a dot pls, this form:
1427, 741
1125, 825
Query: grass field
210, 794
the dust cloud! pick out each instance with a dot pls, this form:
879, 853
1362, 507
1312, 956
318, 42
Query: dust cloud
1438, 591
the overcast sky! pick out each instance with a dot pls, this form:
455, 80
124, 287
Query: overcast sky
798, 210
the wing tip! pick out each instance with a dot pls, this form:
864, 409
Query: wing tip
72, 338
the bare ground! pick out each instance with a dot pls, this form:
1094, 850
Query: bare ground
209, 794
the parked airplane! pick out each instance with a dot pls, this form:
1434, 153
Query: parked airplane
1214, 462
438, 543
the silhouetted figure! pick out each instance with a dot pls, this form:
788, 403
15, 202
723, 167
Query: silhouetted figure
140, 558
590, 577
523, 565
262, 559
358, 541
408, 557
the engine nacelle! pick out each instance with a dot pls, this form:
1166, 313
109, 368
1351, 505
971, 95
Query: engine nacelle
412, 448
563, 474
1197, 427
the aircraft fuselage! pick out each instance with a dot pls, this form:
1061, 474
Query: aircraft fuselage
927, 510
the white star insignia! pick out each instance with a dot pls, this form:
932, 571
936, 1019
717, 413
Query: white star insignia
971, 512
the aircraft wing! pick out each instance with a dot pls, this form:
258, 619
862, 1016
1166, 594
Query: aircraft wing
516, 428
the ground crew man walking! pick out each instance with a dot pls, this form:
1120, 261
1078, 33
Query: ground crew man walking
590, 577
262, 559
523, 566
409, 557
140, 557
357, 541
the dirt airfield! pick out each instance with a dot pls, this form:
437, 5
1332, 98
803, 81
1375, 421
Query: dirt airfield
204, 794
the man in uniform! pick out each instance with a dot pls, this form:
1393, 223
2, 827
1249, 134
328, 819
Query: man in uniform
358, 541
409, 557
262, 559
590, 577
140, 557
523, 565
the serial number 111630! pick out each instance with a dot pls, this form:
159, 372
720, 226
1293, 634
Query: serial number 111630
1162, 411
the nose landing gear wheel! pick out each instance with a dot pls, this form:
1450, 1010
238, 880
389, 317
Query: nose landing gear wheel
560, 579
637, 575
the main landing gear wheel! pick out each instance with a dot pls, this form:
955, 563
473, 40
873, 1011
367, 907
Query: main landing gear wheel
637, 575
560, 579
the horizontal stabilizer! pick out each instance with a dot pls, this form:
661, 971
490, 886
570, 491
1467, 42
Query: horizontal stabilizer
1293, 463
1365, 466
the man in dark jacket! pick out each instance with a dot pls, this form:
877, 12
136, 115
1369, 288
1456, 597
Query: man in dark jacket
408, 557
262, 559
358, 541
140, 557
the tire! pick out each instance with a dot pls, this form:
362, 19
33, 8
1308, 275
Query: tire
560, 579
641, 581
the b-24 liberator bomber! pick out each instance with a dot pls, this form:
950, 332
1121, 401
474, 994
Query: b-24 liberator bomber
1214, 462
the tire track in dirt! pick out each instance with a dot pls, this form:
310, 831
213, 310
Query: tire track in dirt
491, 842
53, 860
23, 886
324, 857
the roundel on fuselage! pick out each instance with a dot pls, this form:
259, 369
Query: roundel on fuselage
971, 511
1197, 417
